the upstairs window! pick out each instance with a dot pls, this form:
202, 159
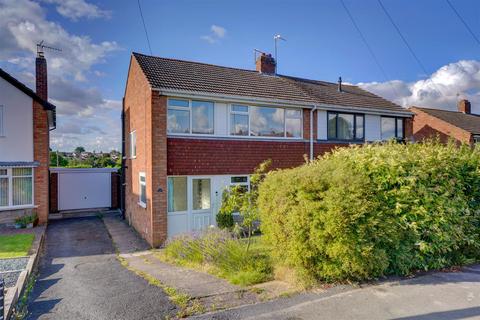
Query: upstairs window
2, 121
133, 144
265, 121
392, 128
187, 117
345, 126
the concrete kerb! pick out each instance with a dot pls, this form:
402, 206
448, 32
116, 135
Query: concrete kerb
13, 294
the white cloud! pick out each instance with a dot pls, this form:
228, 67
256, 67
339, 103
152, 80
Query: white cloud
217, 33
76, 9
23, 24
84, 116
441, 90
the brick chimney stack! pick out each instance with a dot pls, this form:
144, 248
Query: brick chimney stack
464, 106
266, 64
41, 76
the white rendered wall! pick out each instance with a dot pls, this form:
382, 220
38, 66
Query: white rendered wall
17, 143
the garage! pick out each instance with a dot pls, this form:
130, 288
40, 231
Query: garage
82, 188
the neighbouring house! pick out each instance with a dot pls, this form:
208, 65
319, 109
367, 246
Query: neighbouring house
192, 129
26, 118
461, 126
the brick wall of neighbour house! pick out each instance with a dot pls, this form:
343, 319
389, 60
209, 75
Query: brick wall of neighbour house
41, 143
145, 112
53, 192
426, 126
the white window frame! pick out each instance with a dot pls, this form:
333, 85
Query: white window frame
186, 193
10, 177
247, 184
133, 144
249, 136
140, 183
2, 121
190, 116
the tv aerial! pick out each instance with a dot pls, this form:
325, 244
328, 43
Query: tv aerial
41, 48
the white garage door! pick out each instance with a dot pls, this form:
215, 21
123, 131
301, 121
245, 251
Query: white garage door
83, 188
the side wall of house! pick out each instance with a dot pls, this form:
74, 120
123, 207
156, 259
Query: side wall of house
145, 114
426, 126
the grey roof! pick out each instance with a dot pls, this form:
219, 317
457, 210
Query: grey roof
465, 121
19, 164
165, 73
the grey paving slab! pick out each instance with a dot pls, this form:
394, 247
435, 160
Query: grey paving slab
125, 238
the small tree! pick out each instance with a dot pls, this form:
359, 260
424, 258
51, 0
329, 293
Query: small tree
237, 199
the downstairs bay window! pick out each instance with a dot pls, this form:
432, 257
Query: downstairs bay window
16, 188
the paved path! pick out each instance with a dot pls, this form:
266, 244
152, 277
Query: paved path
454, 295
80, 278
205, 288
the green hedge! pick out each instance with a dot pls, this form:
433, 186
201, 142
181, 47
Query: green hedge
367, 211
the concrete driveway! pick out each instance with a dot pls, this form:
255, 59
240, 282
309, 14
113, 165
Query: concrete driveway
440, 295
80, 278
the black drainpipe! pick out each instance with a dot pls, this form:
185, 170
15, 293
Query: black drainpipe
124, 157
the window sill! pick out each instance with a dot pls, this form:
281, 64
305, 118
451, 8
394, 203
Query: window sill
30, 206
143, 205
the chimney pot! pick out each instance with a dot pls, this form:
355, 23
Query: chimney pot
266, 64
464, 106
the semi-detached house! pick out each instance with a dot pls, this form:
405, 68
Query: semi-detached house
193, 129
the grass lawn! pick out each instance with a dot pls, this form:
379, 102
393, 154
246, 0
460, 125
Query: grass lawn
222, 256
17, 245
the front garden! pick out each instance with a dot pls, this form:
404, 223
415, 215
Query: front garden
357, 213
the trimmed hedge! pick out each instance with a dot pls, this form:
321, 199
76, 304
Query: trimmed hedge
366, 211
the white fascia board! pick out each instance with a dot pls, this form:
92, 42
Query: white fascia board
275, 102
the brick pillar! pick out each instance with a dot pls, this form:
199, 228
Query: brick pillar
53, 192
115, 178
158, 174
408, 129
41, 154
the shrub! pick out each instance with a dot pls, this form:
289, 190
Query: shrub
220, 253
366, 211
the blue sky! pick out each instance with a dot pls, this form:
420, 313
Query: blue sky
98, 36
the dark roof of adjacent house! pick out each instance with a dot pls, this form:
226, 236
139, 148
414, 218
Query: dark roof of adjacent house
29, 92
165, 73
466, 121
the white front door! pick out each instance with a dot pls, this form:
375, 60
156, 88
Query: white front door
200, 199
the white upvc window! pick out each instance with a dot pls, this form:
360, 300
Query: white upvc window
16, 188
133, 144
190, 117
2, 121
142, 192
272, 122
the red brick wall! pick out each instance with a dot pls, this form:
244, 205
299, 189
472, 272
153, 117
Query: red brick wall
53, 192
41, 143
145, 112
426, 126
187, 156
